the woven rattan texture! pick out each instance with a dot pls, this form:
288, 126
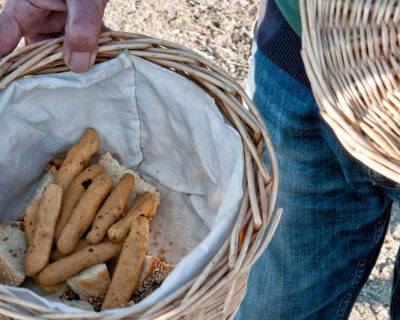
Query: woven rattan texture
217, 292
351, 54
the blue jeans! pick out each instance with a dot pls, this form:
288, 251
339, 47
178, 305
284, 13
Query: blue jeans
336, 212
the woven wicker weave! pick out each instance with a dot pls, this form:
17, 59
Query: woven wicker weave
351, 54
217, 292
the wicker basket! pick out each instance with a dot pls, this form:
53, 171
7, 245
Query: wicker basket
351, 54
217, 292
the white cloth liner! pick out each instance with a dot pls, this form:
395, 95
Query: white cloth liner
152, 120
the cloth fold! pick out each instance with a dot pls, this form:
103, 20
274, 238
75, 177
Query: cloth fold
153, 121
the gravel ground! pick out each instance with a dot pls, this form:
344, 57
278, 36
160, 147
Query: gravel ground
222, 31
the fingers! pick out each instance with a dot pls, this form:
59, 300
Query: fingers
53, 5
10, 33
16, 19
53, 24
82, 32
36, 38
37, 19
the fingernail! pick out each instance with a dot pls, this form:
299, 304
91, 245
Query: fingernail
79, 61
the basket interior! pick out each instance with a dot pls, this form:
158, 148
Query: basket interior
218, 290
148, 126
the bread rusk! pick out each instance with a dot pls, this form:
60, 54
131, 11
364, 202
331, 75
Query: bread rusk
73, 194
37, 256
65, 268
143, 205
78, 158
112, 209
30, 218
57, 255
127, 272
84, 213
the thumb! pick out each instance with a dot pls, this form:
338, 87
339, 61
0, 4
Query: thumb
82, 33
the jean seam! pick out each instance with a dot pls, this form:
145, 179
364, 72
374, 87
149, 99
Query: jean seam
360, 271
346, 299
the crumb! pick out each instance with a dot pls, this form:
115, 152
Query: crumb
152, 283
96, 302
70, 295
19, 224
128, 304
161, 254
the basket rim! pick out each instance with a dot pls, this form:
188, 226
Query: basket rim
329, 41
257, 217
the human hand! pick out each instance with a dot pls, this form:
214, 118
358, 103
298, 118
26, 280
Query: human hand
35, 20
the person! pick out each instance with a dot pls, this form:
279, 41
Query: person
336, 210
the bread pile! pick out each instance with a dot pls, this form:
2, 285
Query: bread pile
86, 233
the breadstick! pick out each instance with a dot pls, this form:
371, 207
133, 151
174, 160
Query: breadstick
78, 158
73, 194
48, 288
55, 288
37, 256
111, 209
57, 255
30, 218
84, 212
56, 163
143, 205
69, 266
126, 276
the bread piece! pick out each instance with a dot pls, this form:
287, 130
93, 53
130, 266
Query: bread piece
91, 283
47, 179
115, 170
152, 275
12, 252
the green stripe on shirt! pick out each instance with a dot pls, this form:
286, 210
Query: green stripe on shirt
291, 12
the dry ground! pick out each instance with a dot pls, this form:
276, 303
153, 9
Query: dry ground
222, 31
